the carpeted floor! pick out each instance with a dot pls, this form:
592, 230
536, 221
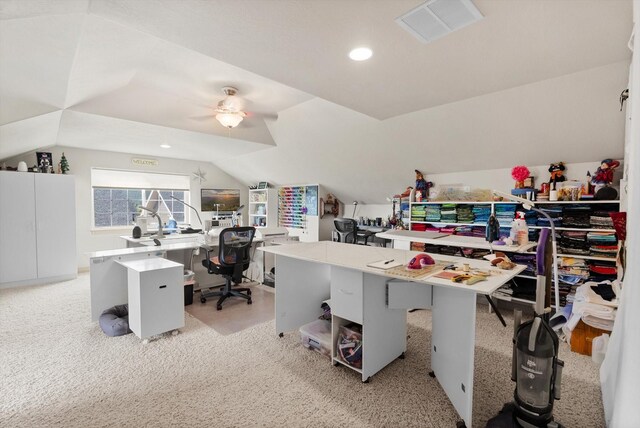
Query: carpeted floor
58, 369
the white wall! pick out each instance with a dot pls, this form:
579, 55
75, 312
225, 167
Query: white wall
81, 161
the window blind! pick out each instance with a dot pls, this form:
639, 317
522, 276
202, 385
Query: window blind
114, 178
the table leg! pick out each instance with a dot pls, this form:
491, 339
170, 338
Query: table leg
495, 309
452, 346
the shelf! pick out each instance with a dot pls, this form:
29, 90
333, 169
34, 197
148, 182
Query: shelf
257, 215
585, 201
258, 202
574, 229
576, 256
337, 360
450, 224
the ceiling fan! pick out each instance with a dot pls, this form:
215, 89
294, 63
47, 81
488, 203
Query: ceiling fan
229, 110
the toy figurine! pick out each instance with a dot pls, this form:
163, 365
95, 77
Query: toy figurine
422, 185
604, 173
557, 171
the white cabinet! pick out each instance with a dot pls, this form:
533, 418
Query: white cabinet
37, 228
156, 297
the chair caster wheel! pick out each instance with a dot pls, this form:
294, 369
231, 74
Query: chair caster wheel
248, 292
249, 302
203, 300
218, 307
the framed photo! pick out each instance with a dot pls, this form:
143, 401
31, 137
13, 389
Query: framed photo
529, 183
263, 185
44, 162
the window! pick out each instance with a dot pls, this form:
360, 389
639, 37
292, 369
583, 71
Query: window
116, 205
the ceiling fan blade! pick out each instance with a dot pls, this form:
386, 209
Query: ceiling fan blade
271, 116
204, 118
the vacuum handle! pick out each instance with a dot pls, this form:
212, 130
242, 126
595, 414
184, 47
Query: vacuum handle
517, 320
558, 380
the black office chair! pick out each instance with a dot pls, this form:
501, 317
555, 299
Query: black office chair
233, 258
347, 229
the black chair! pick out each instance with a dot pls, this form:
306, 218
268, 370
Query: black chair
348, 232
234, 256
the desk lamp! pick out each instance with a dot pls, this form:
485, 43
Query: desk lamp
234, 216
530, 205
155, 214
186, 204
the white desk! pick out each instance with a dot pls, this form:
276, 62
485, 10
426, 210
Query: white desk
309, 273
402, 239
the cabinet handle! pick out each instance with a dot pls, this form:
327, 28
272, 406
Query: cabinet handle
343, 291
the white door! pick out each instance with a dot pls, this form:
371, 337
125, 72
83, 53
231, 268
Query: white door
18, 260
56, 225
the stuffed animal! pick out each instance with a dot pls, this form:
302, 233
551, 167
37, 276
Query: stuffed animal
604, 173
557, 171
422, 185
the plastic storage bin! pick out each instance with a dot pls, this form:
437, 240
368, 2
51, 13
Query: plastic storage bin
317, 336
189, 281
349, 345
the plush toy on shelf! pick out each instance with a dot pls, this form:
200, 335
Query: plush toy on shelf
422, 187
557, 172
604, 173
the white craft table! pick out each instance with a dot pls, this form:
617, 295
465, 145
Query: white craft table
309, 273
402, 239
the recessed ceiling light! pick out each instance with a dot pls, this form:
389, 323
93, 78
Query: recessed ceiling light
360, 54
165, 146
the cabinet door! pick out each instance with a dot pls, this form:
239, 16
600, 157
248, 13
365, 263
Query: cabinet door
56, 225
17, 227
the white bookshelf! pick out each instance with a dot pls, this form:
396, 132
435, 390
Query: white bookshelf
262, 207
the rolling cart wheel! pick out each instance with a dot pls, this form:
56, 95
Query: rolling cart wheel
219, 307
249, 302
280, 334
203, 300
461, 424
248, 292
367, 380
401, 356
432, 374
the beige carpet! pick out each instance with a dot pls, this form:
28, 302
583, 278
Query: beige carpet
58, 369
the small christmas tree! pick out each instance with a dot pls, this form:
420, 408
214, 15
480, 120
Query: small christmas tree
64, 165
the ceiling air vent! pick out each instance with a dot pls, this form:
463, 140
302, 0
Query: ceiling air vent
436, 18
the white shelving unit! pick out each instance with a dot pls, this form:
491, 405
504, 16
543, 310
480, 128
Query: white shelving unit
537, 203
262, 207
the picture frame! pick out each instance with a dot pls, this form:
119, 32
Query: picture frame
44, 162
529, 183
263, 185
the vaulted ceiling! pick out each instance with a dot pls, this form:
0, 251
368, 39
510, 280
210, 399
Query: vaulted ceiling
127, 75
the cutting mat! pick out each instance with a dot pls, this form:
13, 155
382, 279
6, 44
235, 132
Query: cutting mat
402, 271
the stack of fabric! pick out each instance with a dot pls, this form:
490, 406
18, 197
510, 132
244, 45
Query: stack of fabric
602, 271
525, 259
576, 216
431, 228
475, 253
602, 244
433, 213
451, 251
464, 213
448, 213
418, 213
554, 211
430, 248
464, 231
564, 291
504, 232
572, 271
417, 246
574, 242
505, 213
481, 213
595, 304
419, 226
530, 217
601, 220
448, 229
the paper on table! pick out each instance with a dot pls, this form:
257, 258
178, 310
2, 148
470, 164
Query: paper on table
384, 264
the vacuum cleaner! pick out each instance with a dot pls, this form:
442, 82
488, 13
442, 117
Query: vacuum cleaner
536, 368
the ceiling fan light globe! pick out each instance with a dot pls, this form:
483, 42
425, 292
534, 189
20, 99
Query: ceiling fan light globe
229, 120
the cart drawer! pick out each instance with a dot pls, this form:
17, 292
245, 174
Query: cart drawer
346, 293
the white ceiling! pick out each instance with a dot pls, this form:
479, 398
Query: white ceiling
126, 75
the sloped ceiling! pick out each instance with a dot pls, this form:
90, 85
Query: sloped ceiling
534, 82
